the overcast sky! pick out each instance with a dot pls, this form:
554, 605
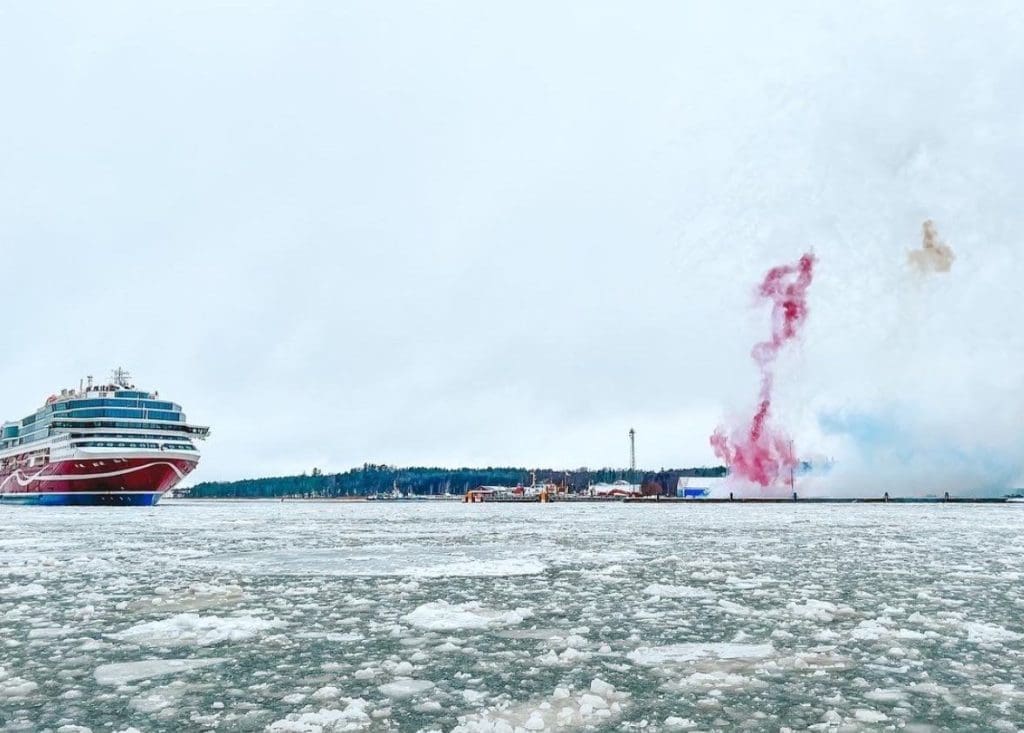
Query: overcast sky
457, 233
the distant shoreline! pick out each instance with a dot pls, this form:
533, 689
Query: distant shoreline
663, 500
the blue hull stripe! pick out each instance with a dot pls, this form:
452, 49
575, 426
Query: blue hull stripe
83, 498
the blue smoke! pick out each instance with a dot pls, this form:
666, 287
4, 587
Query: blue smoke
896, 445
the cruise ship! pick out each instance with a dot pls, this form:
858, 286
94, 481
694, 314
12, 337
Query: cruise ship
107, 444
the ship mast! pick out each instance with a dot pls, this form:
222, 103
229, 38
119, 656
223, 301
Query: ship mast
120, 377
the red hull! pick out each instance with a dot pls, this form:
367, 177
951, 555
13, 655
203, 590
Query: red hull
98, 475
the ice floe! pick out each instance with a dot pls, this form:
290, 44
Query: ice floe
15, 688
190, 629
566, 708
814, 610
26, 590
677, 591
119, 673
444, 616
980, 633
159, 699
402, 688
353, 716
681, 653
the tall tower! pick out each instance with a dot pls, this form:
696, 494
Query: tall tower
632, 456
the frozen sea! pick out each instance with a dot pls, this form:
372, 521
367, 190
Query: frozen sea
312, 617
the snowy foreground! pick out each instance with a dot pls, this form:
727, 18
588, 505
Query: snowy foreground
440, 617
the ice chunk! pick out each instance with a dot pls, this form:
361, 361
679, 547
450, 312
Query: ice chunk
814, 610
403, 688
562, 710
15, 688
352, 717
869, 716
886, 696
676, 591
479, 568
980, 633
736, 609
535, 722
48, 632
328, 692
29, 590
444, 616
567, 658
680, 653
120, 673
870, 630
156, 700
718, 680
190, 629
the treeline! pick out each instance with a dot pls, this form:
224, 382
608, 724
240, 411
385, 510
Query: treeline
421, 481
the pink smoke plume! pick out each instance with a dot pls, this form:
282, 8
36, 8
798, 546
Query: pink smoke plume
760, 452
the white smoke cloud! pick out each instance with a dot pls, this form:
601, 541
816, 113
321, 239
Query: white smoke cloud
912, 384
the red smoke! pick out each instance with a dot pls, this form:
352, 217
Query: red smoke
762, 453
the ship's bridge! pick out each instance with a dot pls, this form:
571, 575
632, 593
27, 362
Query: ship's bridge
134, 408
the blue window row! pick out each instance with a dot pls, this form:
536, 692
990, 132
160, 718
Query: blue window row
146, 404
80, 404
25, 439
89, 408
124, 413
165, 415
40, 428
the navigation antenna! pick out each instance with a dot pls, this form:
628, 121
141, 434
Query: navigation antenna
120, 377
